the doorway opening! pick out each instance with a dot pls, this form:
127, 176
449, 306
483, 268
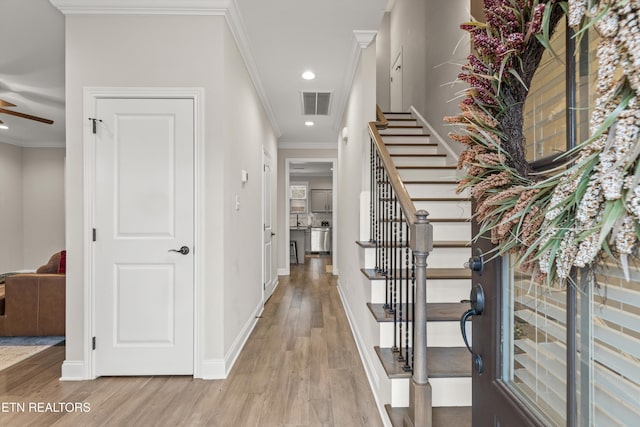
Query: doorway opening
310, 210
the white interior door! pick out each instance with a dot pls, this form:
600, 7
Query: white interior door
144, 209
267, 220
396, 84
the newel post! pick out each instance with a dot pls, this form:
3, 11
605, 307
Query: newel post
421, 243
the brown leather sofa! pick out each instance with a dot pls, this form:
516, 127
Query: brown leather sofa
34, 303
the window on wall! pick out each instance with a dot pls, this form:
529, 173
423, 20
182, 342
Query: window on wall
298, 194
606, 306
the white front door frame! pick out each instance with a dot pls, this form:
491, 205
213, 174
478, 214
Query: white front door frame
334, 213
91, 96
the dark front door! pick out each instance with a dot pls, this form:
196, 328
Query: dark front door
495, 399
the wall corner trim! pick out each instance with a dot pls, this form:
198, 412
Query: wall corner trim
74, 370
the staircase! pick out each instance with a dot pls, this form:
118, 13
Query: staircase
392, 267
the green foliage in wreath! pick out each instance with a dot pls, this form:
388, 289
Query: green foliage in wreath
587, 208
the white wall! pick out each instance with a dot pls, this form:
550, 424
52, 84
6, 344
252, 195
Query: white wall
283, 209
11, 255
246, 130
383, 63
32, 206
353, 172
43, 201
177, 51
428, 33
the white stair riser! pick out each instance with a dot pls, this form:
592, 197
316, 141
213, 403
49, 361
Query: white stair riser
400, 392
419, 161
438, 258
448, 257
445, 391
458, 231
446, 334
447, 290
378, 292
438, 290
413, 139
393, 122
402, 131
431, 174
418, 149
446, 209
450, 391
439, 334
397, 115
436, 190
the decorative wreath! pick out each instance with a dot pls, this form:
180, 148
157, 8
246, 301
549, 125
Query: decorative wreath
589, 208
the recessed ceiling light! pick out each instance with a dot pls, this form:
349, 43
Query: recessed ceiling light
308, 75
4, 127
309, 123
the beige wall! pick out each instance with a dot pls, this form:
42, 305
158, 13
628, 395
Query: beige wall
246, 131
32, 200
43, 201
383, 62
283, 209
433, 47
355, 289
177, 51
11, 244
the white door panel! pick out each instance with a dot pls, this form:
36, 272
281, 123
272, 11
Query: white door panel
269, 279
144, 209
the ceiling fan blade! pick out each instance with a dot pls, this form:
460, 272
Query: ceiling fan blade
4, 103
26, 116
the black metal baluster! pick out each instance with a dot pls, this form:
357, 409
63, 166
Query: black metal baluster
402, 308
408, 277
385, 239
372, 175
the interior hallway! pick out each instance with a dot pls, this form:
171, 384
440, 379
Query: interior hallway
299, 367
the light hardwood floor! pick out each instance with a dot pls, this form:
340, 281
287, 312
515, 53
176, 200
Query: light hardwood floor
300, 367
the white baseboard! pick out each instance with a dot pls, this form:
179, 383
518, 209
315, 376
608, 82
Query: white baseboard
283, 272
212, 369
369, 368
73, 370
241, 339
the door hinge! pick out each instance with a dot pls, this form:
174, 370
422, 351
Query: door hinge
94, 234
93, 343
94, 126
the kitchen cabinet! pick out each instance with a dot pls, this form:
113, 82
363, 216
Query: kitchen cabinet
321, 200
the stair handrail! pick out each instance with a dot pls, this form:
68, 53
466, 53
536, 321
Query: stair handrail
406, 204
421, 244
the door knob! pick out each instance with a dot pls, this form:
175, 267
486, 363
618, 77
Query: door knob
183, 250
476, 263
476, 299
273, 234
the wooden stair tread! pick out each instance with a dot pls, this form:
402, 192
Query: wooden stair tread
440, 199
436, 244
435, 181
432, 273
408, 144
442, 362
417, 155
432, 220
436, 312
404, 126
442, 416
428, 167
410, 135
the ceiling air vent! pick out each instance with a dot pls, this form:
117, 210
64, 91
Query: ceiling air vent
316, 103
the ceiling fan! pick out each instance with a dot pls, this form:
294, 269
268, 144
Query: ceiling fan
3, 110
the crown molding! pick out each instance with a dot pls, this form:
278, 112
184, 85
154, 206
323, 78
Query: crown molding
226, 8
142, 7
307, 145
362, 40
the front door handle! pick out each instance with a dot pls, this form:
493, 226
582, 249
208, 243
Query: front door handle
183, 250
476, 300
